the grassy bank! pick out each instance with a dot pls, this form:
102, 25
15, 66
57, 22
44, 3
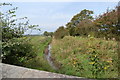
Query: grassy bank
86, 57
39, 62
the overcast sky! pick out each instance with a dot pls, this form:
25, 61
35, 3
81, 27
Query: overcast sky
50, 15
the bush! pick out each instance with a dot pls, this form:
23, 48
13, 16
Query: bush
61, 32
15, 49
16, 52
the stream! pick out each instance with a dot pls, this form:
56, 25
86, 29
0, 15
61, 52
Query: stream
48, 57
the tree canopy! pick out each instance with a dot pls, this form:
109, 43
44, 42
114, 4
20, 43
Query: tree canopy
48, 33
83, 24
81, 17
60, 32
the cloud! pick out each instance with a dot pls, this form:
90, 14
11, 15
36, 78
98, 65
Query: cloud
49, 16
59, 0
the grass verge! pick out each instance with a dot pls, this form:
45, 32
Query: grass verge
39, 62
86, 57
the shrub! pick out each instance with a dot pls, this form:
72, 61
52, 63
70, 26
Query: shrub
60, 33
16, 52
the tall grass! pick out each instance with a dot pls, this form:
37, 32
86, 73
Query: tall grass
39, 62
86, 57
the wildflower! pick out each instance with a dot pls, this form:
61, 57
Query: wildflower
95, 55
106, 67
91, 62
74, 62
109, 61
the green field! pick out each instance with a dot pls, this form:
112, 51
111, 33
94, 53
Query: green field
86, 57
39, 44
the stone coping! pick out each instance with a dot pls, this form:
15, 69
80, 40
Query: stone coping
12, 71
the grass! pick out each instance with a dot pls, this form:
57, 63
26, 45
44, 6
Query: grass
86, 57
39, 62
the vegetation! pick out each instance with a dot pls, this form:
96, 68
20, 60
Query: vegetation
39, 62
86, 57
83, 24
74, 27
108, 24
18, 49
85, 47
48, 33
60, 33
91, 49
15, 50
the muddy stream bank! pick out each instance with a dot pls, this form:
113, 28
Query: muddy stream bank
47, 54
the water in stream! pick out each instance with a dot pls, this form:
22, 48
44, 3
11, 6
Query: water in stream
48, 57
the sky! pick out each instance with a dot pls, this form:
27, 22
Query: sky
59, 0
51, 15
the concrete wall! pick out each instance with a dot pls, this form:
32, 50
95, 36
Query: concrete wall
11, 71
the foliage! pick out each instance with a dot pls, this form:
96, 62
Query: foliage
18, 49
85, 28
81, 56
86, 57
13, 27
81, 17
107, 24
39, 62
48, 33
15, 50
60, 33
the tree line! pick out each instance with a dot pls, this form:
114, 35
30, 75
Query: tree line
83, 24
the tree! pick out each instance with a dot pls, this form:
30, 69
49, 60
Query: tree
85, 28
72, 25
83, 15
108, 23
48, 33
13, 27
45, 33
15, 49
61, 32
